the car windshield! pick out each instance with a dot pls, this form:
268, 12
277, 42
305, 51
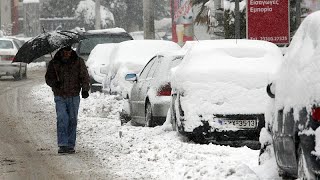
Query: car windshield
4, 44
88, 44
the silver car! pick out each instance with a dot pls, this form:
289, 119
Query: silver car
150, 96
8, 49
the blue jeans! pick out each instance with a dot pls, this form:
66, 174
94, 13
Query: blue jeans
67, 117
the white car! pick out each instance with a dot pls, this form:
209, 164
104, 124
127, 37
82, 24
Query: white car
218, 91
98, 60
131, 57
8, 49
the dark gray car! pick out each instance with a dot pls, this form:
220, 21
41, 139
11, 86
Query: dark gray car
151, 92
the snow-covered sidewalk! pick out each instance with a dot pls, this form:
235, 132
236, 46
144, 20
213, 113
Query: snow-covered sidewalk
129, 152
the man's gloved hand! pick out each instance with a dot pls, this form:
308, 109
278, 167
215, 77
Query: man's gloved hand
85, 94
58, 84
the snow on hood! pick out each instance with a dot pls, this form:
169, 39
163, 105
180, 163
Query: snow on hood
226, 76
298, 80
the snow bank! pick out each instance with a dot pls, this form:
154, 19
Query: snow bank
152, 153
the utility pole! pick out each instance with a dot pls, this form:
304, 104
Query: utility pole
148, 19
0, 17
298, 14
237, 19
97, 24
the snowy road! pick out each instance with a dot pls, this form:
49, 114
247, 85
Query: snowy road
139, 153
28, 141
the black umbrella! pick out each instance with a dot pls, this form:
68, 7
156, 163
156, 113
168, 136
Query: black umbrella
46, 43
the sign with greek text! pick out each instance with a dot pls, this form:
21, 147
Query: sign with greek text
268, 20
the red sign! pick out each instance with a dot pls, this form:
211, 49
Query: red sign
268, 20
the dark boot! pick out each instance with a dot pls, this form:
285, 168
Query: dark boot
71, 150
63, 149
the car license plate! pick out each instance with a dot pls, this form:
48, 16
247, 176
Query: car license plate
241, 123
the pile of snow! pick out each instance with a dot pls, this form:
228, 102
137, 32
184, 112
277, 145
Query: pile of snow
131, 57
128, 152
225, 77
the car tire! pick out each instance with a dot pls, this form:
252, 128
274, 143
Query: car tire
303, 167
173, 115
148, 116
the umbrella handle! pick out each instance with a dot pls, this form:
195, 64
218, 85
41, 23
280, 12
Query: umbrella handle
54, 67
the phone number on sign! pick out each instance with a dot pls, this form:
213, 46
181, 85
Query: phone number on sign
277, 38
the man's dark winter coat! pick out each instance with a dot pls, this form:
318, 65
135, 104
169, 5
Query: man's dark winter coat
73, 75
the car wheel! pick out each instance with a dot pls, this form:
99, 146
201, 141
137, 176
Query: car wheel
303, 172
149, 118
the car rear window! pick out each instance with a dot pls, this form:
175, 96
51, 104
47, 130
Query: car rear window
4, 44
88, 44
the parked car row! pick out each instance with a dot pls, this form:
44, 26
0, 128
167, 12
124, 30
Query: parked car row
217, 91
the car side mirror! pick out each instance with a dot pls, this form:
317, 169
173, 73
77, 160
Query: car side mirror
131, 77
270, 90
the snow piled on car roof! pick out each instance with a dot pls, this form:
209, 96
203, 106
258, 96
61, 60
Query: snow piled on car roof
111, 30
225, 77
298, 83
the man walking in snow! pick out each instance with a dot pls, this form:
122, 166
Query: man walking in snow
67, 75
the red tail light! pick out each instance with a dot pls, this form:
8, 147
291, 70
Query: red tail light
316, 114
165, 90
7, 58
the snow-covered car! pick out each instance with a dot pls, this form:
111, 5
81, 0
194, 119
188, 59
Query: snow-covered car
98, 60
131, 57
8, 49
293, 117
151, 91
218, 91
102, 36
